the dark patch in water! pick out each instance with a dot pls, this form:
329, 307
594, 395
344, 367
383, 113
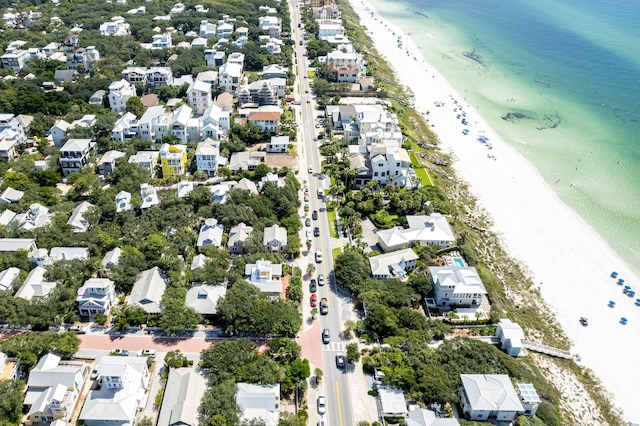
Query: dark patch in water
420, 14
515, 116
473, 56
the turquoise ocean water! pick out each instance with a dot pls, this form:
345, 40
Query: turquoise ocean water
568, 73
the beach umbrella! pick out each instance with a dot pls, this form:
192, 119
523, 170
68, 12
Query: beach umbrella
627, 287
637, 301
631, 293
612, 303
614, 274
623, 320
620, 280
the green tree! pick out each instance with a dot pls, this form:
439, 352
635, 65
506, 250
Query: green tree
175, 359
135, 106
219, 403
353, 353
176, 316
11, 401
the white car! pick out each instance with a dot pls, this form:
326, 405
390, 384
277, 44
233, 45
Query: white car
318, 256
322, 404
147, 352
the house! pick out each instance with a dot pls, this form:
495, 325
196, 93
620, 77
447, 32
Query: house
229, 76
392, 402
237, 236
273, 179
8, 145
35, 285
97, 98
96, 296
74, 155
275, 238
393, 265
432, 230
199, 96
70, 42
248, 186
177, 8
173, 159
111, 259
180, 125
9, 367
455, 286
329, 28
147, 160
270, 24
10, 196
184, 188
528, 398
7, 277
511, 336
6, 217
200, 8
221, 191
224, 30
148, 289
204, 298
148, 123
36, 217
274, 71
12, 245
83, 58
15, 60
214, 58
59, 132
422, 417
207, 154
207, 29
210, 233
210, 77
156, 77
115, 27
259, 402
245, 160
484, 396
265, 275
185, 388
123, 201
278, 144
198, 42
119, 94
149, 196
125, 127
121, 395
161, 41
267, 121
69, 253
53, 389
135, 75
77, 221
107, 164
199, 261
385, 162
215, 123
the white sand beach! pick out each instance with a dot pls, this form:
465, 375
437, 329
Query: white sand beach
562, 252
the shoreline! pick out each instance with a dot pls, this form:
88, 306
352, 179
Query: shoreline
556, 245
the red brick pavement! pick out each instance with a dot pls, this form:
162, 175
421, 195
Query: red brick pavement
135, 343
311, 344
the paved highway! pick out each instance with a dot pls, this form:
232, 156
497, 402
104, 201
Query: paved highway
335, 382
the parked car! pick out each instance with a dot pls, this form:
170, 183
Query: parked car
324, 306
320, 279
310, 170
121, 352
94, 374
318, 256
313, 286
306, 196
322, 404
307, 222
314, 300
316, 232
78, 329
314, 215
341, 360
147, 352
326, 336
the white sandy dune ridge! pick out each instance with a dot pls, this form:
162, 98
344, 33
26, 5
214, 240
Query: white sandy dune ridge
572, 262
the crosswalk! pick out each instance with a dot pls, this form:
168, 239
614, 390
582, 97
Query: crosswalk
334, 347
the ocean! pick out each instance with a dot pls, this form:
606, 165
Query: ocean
559, 81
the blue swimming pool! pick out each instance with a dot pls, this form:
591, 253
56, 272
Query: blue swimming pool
458, 262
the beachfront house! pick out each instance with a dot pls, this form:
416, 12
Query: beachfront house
460, 288
489, 396
511, 336
425, 230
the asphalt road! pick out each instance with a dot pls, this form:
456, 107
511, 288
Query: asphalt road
335, 381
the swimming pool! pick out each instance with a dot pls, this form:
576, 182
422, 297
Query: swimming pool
458, 261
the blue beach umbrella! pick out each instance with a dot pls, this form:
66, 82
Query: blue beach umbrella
614, 274
638, 302
620, 280
612, 303
631, 293
623, 320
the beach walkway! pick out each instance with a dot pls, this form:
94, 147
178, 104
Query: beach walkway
548, 350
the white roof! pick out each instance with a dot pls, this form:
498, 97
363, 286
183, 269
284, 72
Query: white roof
11, 195
463, 279
15, 244
184, 389
434, 227
490, 392
380, 264
208, 147
392, 401
6, 217
184, 188
148, 289
423, 417
199, 86
77, 221
35, 285
74, 145
259, 402
510, 330
112, 257
204, 298
7, 277
69, 253
210, 233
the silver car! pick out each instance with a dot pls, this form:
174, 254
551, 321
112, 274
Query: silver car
322, 405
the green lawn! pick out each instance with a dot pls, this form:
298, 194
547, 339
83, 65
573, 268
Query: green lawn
332, 223
336, 252
424, 176
414, 159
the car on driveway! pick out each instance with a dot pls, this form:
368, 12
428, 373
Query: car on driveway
326, 336
322, 404
316, 232
94, 374
78, 329
121, 352
314, 300
320, 279
314, 215
341, 360
147, 352
324, 306
313, 286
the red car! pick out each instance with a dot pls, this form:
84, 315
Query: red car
314, 300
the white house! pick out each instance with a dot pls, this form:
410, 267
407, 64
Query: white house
392, 402
35, 285
107, 164
204, 298
96, 296
111, 259
59, 131
77, 221
224, 30
456, 286
7, 277
36, 217
393, 265
511, 336
149, 196
122, 393
157, 77
329, 29
484, 396
147, 124
199, 96
184, 188
229, 76
69, 253
210, 233
207, 154
115, 27
147, 160
275, 238
265, 275
161, 41
123, 201
270, 24
237, 236
528, 398
432, 230
207, 29
267, 121
185, 388
278, 144
274, 71
148, 289
422, 417
15, 60
119, 94
74, 155
259, 402
215, 123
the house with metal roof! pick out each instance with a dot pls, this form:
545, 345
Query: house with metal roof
511, 336
10, 195
210, 233
259, 402
35, 285
96, 296
432, 230
392, 402
456, 286
69, 253
16, 244
184, 390
393, 265
237, 236
265, 275
484, 396
204, 298
422, 417
7, 277
275, 238
148, 289
77, 221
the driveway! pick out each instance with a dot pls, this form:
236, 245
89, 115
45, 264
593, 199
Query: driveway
369, 234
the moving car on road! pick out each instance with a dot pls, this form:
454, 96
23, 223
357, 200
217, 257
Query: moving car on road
324, 306
321, 279
341, 360
318, 256
314, 215
316, 232
326, 336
